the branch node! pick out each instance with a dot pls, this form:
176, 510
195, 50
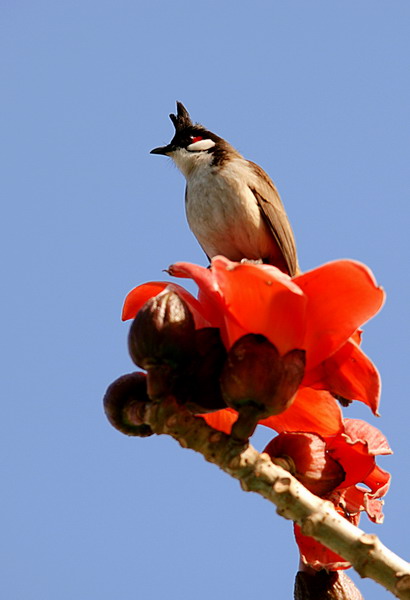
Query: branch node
263, 462
309, 525
311, 522
403, 582
370, 540
282, 485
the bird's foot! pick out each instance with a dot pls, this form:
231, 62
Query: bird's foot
249, 261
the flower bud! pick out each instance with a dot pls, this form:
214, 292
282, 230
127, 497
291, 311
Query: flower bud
122, 402
255, 375
308, 459
325, 584
162, 332
161, 381
200, 389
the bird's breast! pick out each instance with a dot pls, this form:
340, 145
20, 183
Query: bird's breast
223, 214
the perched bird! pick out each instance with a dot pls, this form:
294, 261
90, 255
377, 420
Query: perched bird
232, 205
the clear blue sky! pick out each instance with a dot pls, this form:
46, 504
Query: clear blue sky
316, 92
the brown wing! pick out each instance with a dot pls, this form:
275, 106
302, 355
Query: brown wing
275, 217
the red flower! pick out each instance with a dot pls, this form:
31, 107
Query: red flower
304, 455
355, 449
334, 468
316, 555
318, 312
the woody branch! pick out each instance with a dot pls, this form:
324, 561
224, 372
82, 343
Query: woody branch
256, 473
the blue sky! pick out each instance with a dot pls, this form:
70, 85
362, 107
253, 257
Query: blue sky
317, 93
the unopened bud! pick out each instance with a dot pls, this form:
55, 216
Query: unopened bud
255, 375
162, 332
122, 403
161, 381
200, 389
325, 585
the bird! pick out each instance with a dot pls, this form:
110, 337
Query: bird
232, 206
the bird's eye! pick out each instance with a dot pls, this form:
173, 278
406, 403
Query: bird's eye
196, 138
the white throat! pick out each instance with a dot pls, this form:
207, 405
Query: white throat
188, 162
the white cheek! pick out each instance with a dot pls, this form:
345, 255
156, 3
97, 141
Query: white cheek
201, 145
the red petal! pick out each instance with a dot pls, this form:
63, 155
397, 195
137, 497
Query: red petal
204, 278
222, 420
357, 430
342, 295
378, 481
316, 555
209, 295
355, 449
355, 462
312, 411
313, 466
357, 498
357, 336
348, 373
250, 299
351, 374
137, 297
261, 299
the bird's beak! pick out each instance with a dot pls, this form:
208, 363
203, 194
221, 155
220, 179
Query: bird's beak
165, 150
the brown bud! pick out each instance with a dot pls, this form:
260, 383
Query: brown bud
199, 388
325, 585
255, 375
161, 381
122, 404
162, 332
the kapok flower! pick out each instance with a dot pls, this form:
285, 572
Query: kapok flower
355, 449
304, 455
318, 312
334, 468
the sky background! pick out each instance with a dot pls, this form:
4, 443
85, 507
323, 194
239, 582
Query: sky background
318, 94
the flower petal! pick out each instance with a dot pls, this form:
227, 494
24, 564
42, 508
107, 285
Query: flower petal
311, 464
222, 420
351, 374
356, 463
137, 297
317, 556
358, 431
357, 498
204, 278
348, 373
355, 449
209, 295
261, 299
342, 295
250, 299
313, 411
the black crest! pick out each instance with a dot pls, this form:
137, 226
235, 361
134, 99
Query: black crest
181, 120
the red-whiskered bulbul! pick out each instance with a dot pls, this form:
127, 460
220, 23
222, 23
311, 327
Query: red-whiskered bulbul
232, 205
